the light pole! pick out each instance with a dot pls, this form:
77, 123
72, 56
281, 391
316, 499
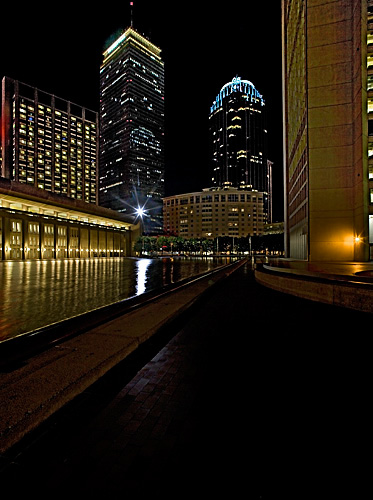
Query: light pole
140, 212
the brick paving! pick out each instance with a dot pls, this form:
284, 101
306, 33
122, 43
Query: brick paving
257, 395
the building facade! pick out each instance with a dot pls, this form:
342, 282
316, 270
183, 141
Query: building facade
132, 127
35, 224
238, 138
215, 212
328, 140
48, 143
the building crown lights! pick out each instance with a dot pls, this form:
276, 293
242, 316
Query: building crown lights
131, 33
237, 85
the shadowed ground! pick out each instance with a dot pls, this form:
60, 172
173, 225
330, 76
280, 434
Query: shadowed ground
257, 395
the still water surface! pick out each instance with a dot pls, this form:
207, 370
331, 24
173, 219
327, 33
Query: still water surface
34, 294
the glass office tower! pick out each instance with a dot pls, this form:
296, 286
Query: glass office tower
132, 128
47, 142
238, 138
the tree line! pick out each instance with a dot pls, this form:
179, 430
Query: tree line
271, 243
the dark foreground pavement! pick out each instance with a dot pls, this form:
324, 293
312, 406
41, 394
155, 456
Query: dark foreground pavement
257, 395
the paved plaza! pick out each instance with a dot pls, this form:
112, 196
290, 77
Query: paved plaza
256, 394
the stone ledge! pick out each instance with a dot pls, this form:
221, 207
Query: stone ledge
335, 292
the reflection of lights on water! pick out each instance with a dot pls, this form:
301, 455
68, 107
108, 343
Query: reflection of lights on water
37, 293
142, 265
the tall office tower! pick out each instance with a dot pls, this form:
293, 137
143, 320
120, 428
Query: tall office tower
132, 127
328, 138
238, 136
48, 143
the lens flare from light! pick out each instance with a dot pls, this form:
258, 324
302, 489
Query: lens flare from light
140, 211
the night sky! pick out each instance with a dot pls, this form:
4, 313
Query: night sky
204, 45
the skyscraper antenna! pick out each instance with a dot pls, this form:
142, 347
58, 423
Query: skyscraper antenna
131, 4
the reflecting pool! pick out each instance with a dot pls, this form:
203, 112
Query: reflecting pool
34, 294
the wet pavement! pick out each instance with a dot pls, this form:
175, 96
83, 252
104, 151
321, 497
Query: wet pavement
256, 395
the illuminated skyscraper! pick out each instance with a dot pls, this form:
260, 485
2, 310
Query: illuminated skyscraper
47, 142
238, 138
132, 127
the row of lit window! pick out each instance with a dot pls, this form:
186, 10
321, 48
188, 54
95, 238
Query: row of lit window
60, 135
74, 152
89, 143
216, 198
249, 220
30, 107
60, 180
47, 166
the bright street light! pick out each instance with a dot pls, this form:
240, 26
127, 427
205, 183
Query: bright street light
140, 211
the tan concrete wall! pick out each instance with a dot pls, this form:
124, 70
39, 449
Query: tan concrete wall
330, 127
337, 145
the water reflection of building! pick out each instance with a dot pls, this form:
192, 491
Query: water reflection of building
35, 224
215, 212
328, 137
